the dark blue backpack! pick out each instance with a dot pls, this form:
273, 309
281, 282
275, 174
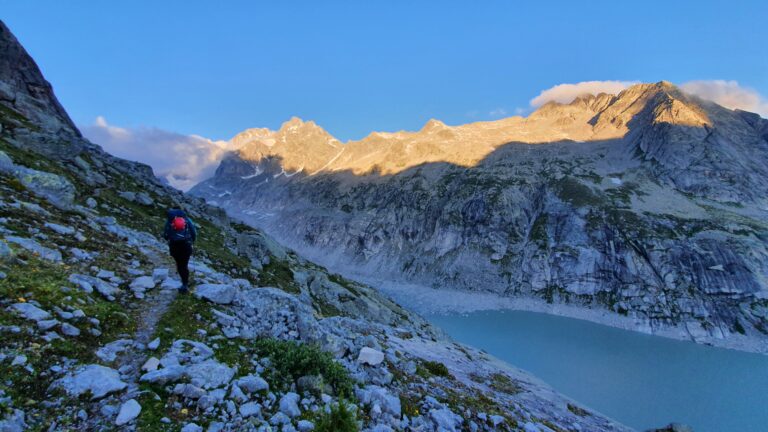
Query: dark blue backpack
174, 232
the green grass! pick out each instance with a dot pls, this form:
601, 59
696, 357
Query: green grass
339, 419
504, 384
573, 191
278, 274
292, 360
179, 320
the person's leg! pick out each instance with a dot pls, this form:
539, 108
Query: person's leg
181, 259
183, 264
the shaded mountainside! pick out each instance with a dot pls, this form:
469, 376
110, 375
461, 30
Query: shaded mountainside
94, 336
650, 204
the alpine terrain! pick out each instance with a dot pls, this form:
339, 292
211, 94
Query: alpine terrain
647, 209
94, 337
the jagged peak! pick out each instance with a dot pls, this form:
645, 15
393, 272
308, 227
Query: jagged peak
433, 124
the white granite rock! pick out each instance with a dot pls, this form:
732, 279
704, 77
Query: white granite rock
370, 356
97, 380
128, 412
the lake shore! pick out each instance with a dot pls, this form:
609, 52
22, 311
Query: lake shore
426, 301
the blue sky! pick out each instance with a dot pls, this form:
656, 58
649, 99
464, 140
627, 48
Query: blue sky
216, 68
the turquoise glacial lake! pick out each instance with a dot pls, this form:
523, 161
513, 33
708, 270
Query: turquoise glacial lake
639, 380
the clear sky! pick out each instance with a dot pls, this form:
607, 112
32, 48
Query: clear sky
215, 68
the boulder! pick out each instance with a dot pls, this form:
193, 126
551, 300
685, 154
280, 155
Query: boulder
210, 374
109, 352
164, 375
30, 311
216, 293
370, 356
151, 364
252, 383
128, 412
289, 404
250, 409
154, 344
34, 247
69, 330
94, 379
142, 283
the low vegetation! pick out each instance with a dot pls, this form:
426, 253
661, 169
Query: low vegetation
293, 360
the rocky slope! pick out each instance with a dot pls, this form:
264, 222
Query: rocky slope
94, 337
649, 205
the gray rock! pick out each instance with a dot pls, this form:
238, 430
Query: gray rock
55, 188
164, 375
60, 229
160, 274
5, 251
14, 422
210, 374
45, 325
252, 384
30, 311
96, 380
128, 412
151, 364
69, 330
19, 360
105, 274
216, 293
154, 344
191, 427
305, 426
445, 419
189, 391
370, 356
90, 283
34, 247
250, 409
142, 283
289, 404
109, 352
91, 203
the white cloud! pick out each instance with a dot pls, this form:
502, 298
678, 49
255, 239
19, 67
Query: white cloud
565, 93
728, 94
184, 160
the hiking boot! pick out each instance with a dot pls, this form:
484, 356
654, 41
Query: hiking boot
184, 289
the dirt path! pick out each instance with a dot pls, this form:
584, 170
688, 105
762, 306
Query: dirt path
150, 310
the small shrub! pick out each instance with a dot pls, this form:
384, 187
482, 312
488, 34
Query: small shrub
339, 419
432, 368
292, 360
504, 384
581, 412
737, 327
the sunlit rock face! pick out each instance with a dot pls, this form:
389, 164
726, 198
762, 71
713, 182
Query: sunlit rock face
650, 203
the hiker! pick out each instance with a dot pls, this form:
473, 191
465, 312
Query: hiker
180, 233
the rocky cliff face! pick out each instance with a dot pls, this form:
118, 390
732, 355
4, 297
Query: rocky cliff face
649, 204
94, 337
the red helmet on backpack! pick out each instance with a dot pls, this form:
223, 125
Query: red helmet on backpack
179, 224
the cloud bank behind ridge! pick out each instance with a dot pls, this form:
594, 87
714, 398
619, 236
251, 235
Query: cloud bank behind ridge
183, 160
729, 94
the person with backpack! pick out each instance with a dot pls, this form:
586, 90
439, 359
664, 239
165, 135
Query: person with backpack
181, 234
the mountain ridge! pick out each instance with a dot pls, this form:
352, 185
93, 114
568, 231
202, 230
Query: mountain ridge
621, 203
